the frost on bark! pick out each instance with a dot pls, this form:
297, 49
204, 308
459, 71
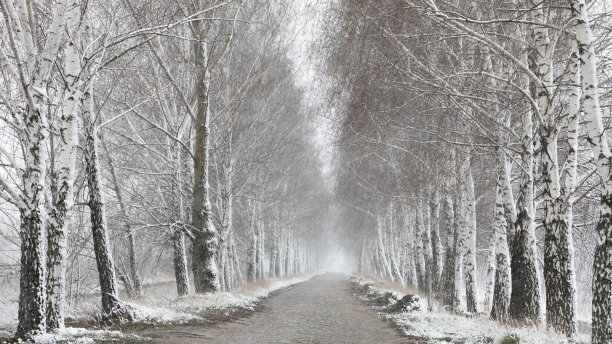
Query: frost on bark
411, 270
252, 249
420, 249
32, 297
557, 272
457, 261
382, 254
500, 302
274, 253
436, 246
278, 247
33, 80
525, 297
111, 305
205, 274
32, 294
462, 220
397, 275
180, 262
62, 200
227, 199
490, 276
237, 276
491, 258
602, 262
469, 258
260, 245
63, 193
287, 254
132, 281
558, 253
448, 270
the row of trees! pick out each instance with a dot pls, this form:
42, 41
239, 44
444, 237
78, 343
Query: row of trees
462, 118
160, 121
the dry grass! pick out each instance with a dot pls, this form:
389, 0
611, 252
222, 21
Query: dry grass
260, 284
388, 284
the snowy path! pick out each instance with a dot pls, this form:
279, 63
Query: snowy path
321, 310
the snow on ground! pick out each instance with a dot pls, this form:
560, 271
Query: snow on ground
194, 307
8, 317
439, 326
83, 336
159, 306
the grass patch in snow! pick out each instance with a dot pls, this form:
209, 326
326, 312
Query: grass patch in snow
510, 339
87, 336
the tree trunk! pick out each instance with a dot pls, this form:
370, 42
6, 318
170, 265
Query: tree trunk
205, 274
386, 267
470, 253
500, 302
32, 295
436, 245
525, 297
180, 262
278, 246
34, 140
260, 245
448, 270
420, 249
558, 253
111, 306
463, 232
252, 251
63, 195
392, 239
274, 253
134, 283
602, 262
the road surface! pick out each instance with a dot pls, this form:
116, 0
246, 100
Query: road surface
320, 310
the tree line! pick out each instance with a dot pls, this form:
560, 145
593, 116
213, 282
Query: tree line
473, 148
142, 137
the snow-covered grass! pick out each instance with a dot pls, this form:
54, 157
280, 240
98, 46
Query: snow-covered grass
86, 336
439, 326
198, 306
160, 307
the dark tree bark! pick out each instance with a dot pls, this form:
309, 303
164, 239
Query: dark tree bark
133, 283
436, 254
205, 274
32, 288
180, 263
111, 306
448, 272
32, 296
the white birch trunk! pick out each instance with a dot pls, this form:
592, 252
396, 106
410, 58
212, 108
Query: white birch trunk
392, 253
525, 297
420, 254
602, 263
57, 227
469, 259
386, 267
